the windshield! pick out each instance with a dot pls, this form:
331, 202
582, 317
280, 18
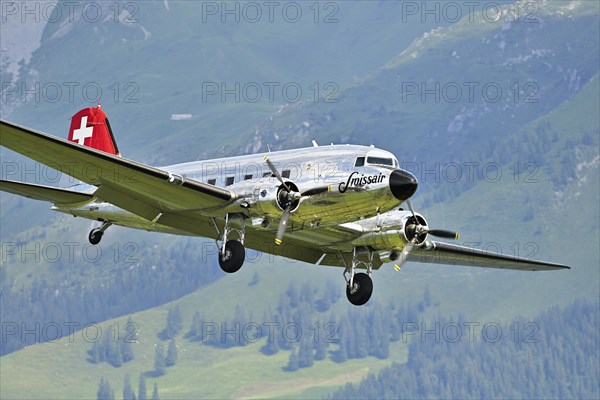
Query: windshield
380, 161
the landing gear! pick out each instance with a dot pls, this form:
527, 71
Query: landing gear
359, 286
232, 253
232, 256
361, 290
96, 234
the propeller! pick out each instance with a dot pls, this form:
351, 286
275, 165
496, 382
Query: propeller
282, 225
288, 196
276, 173
419, 230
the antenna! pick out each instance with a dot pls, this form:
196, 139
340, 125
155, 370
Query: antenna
268, 147
314, 143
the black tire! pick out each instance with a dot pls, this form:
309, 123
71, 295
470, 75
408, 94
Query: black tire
363, 288
234, 257
95, 236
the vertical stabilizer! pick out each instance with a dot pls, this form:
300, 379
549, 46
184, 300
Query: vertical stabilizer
90, 127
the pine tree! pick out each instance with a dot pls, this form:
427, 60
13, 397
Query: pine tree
105, 392
94, 353
159, 360
270, 347
293, 363
254, 280
128, 393
176, 321
292, 293
196, 328
171, 353
126, 350
128, 340
174, 324
142, 394
305, 353
155, 392
342, 354
115, 358
320, 347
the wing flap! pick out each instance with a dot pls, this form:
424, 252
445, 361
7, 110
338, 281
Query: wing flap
45, 193
451, 254
161, 190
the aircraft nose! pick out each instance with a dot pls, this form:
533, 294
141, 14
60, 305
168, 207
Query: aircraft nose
403, 184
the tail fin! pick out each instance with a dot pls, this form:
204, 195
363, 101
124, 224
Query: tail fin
90, 127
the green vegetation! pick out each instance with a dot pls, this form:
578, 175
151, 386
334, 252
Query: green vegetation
556, 355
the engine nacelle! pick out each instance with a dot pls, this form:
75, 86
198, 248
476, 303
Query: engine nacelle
271, 200
409, 228
394, 233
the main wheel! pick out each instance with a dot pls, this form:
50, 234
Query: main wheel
234, 256
361, 291
95, 236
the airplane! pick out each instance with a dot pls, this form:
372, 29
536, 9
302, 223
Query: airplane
337, 205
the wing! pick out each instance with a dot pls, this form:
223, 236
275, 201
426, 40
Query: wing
143, 190
46, 193
326, 245
445, 253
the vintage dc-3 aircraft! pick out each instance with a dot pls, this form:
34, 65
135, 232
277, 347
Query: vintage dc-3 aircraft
328, 205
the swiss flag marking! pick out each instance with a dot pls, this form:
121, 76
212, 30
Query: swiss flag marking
83, 132
90, 128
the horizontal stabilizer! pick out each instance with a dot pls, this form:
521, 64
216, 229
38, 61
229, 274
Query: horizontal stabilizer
46, 193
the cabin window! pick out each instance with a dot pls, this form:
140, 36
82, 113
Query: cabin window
229, 180
247, 177
212, 181
380, 161
285, 173
266, 174
360, 161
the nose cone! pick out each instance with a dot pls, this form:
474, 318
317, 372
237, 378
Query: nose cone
403, 184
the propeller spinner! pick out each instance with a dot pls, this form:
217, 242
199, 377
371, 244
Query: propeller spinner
417, 230
288, 198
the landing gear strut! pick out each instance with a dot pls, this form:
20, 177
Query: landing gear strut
232, 253
359, 286
96, 234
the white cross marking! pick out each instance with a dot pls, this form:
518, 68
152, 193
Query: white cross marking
83, 132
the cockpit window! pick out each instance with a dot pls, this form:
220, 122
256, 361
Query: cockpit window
380, 161
360, 161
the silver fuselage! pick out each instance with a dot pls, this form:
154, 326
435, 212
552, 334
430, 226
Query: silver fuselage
354, 191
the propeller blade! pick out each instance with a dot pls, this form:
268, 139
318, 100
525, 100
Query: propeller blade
444, 233
317, 190
404, 254
276, 173
410, 207
282, 226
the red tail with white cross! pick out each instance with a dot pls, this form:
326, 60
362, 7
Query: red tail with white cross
90, 127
